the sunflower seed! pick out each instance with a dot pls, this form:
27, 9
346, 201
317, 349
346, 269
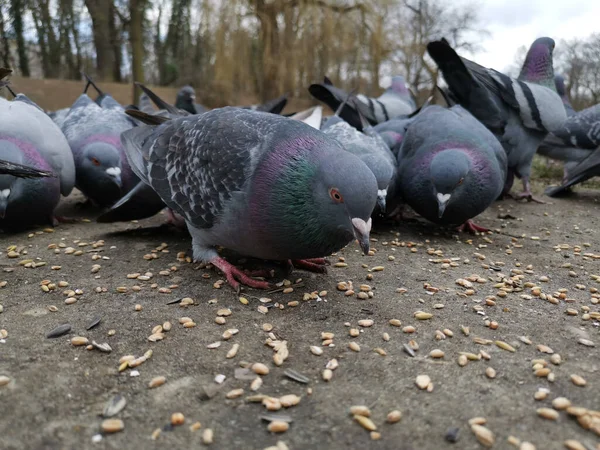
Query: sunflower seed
296, 376
114, 406
104, 347
59, 331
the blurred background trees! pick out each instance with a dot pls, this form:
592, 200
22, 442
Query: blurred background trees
252, 49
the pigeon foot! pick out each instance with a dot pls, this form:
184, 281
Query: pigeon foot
312, 265
527, 195
235, 276
471, 227
61, 219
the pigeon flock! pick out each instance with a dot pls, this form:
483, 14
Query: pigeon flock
296, 188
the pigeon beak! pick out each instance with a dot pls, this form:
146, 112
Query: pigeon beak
115, 173
361, 232
193, 97
381, 195
443, 200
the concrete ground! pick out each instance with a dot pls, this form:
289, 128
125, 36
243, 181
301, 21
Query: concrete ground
56, 391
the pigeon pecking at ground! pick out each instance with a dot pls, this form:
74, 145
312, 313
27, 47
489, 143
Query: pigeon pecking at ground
450, 167
520, 112
368, 146
280, 190
395, 102
28, 137
93, 132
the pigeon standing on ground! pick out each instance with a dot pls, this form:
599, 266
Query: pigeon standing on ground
450, 167
93, 132
279, 190
395, 102
520, 112
28, 137
369, 147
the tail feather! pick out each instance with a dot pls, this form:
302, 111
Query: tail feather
133, 142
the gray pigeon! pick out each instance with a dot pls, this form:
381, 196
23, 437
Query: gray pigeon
59, 116
185, 100
142, 201
369, 147
30, 138
559, 83
279, 190
392, 132
586, 169
450, 167
395, 102
93, 132
520, 112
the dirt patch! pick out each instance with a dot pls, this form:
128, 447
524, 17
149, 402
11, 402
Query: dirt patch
57, 391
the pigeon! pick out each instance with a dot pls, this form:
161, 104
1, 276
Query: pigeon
28, 137
93, 132
185, 100
279, 190
520, 112
312, 116
368, 146
395, 102
274, 106
392, 132
450, 167
586, 169
559, 83
142, 201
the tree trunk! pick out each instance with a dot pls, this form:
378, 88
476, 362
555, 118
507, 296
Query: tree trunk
100, 12
115, 43
17, 11
269, 37
136, 35
4, 45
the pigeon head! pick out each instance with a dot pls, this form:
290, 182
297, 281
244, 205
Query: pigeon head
399, 85
448, 170
383, 172
538, 67
101, 169
309, 189
185, 99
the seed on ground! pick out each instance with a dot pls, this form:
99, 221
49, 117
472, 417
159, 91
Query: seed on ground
437, 353
315, 350
572, 444
195, 426
232, 351
354, 346
490, 372
79, 340
586, 342
177, 419
504, 346
578, 380
561, 403
360, 410
207, 436
260, 369
157, 381
278, 426
555, 359
395, 322
548, 413
477, 421
366, 323
289, 400
256, 384
409, 329
544, 349
234, 393
526, 446
4, 380
112, 425
420, 315
224, 312
483, 435
423, 381
327, 374
394, 416
540, 394
463, 360
365, 422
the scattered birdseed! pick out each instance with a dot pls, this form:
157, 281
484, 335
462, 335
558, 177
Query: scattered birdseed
260, 369
316, 350
423, 381
394, 416
578, 380
112, 425
354, 346
278, 426
561, 403
157, 381
483, 435
504, 346
437, 353
78, 341
4, 380
365, 422
490, 372
395, 322
548, 413
572, 444
60, 330
177, 419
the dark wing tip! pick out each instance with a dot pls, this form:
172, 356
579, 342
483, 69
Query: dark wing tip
148, 119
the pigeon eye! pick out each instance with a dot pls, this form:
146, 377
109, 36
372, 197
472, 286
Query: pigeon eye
460, 181
95, 162
336, 196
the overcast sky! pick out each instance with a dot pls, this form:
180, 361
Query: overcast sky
513, 23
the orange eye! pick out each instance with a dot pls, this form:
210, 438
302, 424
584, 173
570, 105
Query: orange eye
95, 162
336, 196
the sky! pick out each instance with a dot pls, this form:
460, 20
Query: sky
513, 23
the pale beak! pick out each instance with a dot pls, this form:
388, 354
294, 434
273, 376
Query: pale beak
381, 196
361, 232
443, 200
115, 173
